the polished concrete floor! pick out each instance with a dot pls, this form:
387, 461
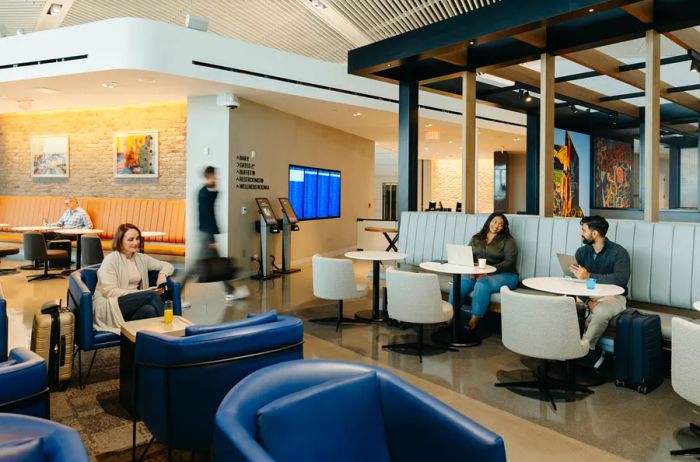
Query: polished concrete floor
612, 422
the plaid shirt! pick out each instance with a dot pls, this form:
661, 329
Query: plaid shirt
77, 218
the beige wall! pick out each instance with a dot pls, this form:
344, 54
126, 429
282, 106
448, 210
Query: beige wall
517, 178
446, 182
280, 139
91, 147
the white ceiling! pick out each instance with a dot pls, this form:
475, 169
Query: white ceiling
325, 32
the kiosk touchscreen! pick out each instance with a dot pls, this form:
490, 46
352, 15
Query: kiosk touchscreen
288, 210
266, 211
289, 224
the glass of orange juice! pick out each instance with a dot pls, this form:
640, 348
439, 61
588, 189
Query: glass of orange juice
168, 313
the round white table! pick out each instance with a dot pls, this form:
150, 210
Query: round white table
153, 233
78, 246
26, 229
452, 337
573, 287
376, 256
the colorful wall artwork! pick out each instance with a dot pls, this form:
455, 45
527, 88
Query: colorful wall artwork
136, 155
613, 174
565, 177
50, 156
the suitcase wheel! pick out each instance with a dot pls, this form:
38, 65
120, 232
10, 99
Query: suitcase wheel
643, 389
619, 383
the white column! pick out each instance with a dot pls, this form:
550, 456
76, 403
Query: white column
207, 144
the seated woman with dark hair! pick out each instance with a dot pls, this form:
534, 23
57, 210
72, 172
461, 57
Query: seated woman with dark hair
122, 293
497, 246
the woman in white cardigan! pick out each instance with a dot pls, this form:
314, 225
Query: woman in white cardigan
122, 293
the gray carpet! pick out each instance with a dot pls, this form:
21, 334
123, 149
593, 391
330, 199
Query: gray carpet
104, 425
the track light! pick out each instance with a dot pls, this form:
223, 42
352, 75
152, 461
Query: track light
574, 109
694, 61
612, 118
55, 9
524, 95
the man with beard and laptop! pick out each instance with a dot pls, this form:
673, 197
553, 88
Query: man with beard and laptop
608, 263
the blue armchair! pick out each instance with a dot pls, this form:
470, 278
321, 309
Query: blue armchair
81, 288
329, 410
30, 438
23, 377
180, 381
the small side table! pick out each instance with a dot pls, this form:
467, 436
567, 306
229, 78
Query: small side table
385, 231
376, 256
127, 350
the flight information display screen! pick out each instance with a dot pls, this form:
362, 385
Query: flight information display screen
314, 192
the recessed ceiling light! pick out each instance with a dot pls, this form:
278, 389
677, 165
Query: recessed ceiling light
55, 9
140, 79
388, 65
48, 91
591, 10
472, 42
428, 125
356, 114
450, 141
110, 85
516, 139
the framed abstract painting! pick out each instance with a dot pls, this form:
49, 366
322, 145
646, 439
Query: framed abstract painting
136, 154
50, 156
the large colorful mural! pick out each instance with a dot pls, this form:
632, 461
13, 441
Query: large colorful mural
613, 174
566, 178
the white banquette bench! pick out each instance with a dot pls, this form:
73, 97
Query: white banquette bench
665, 257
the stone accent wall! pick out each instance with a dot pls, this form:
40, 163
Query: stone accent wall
447, 182
91, 146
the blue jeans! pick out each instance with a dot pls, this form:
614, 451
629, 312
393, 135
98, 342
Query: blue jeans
483, 288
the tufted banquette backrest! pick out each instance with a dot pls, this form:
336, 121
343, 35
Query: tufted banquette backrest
665, 257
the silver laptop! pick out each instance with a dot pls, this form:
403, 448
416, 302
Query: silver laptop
565, 261
460, 255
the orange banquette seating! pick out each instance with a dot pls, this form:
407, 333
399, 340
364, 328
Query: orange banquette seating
167, 215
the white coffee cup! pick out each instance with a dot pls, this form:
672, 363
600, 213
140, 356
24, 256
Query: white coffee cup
482, 263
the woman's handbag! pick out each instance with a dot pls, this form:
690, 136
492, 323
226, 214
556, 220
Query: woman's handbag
216, 269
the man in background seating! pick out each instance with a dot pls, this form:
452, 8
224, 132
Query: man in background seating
608, 263
73, 217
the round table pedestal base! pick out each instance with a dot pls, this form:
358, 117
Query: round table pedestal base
366, 315
443, 336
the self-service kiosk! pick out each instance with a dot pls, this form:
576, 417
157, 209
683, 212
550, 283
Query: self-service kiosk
289, 224
266, 225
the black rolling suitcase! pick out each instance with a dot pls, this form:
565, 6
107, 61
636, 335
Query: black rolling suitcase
638, 355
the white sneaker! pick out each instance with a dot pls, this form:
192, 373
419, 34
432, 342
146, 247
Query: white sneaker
238, 293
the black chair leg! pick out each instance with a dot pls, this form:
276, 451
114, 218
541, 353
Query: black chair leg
545, 385
420, 347
339, 319
686, 452
148, 446
45, 275
92, 361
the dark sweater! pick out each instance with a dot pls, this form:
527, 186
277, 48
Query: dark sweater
207, 217
501, 253
610, 266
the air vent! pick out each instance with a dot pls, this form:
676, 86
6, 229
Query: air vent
43, 61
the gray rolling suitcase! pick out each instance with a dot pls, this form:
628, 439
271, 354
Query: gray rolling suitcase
52, 338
